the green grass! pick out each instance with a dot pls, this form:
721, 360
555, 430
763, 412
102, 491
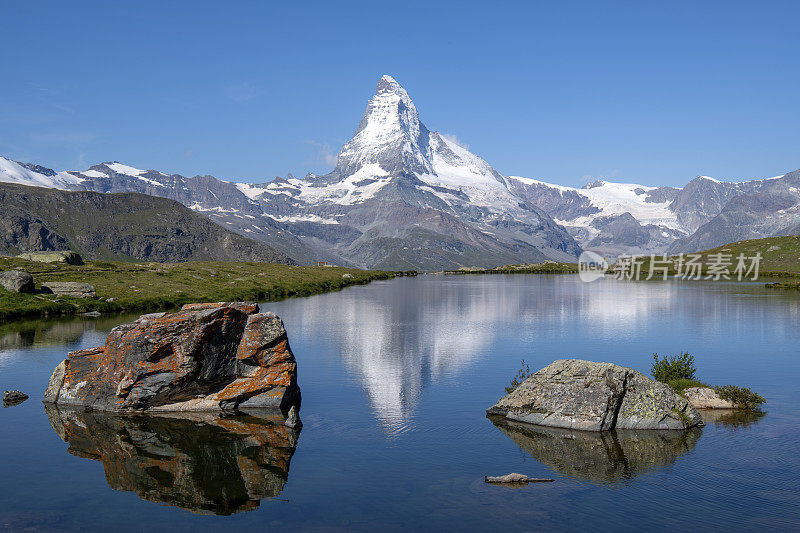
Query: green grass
680, 385
527, 268
788, 285
780, 258
522, 374
154, 286
741, 396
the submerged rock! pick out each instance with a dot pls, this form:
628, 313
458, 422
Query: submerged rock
202, 462
514, 478
707, 398
615, 456
220, 356
17, 281
13, 397
589, 396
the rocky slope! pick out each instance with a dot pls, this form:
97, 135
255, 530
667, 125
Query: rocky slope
620, 218
754, 210
119, 227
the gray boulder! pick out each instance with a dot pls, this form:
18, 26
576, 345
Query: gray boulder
68, 257
707, 398
73, 289
17, 281
589, 396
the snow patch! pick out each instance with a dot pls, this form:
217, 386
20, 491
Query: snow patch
119, 168
13, 172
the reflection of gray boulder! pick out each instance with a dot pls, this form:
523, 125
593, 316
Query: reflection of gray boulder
610, 457
197, 461
731, 418
576, 394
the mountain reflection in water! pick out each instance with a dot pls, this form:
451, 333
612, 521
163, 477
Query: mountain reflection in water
201, 462
609, 457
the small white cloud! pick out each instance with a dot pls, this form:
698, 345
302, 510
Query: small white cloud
324, 152
453, 139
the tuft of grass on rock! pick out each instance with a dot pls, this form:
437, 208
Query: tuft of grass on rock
680, 385
522, 374
741, 396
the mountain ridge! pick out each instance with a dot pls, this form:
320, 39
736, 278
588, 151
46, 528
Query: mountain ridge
400, 191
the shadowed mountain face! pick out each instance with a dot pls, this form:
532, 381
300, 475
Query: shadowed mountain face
772, 208
118, 227
610, 457
200, 462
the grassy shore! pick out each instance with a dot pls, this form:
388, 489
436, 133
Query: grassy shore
157, 286
780, 258
527, 268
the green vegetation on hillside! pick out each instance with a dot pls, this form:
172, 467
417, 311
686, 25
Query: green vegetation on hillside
548, 267
780, 258
152, 286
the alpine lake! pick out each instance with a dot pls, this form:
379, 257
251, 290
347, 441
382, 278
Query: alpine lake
396, 377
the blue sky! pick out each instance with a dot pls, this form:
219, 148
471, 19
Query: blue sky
649, 92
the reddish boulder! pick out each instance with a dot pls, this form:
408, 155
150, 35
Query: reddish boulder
203, 357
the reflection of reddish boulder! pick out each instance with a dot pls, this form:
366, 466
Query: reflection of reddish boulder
203, 357
201, 462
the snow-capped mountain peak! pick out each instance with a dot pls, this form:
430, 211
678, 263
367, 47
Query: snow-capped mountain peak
389, 134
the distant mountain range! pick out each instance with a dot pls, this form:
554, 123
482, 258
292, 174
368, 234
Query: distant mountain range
122, 227
402, 196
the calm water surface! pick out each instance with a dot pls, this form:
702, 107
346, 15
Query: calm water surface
395, 378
